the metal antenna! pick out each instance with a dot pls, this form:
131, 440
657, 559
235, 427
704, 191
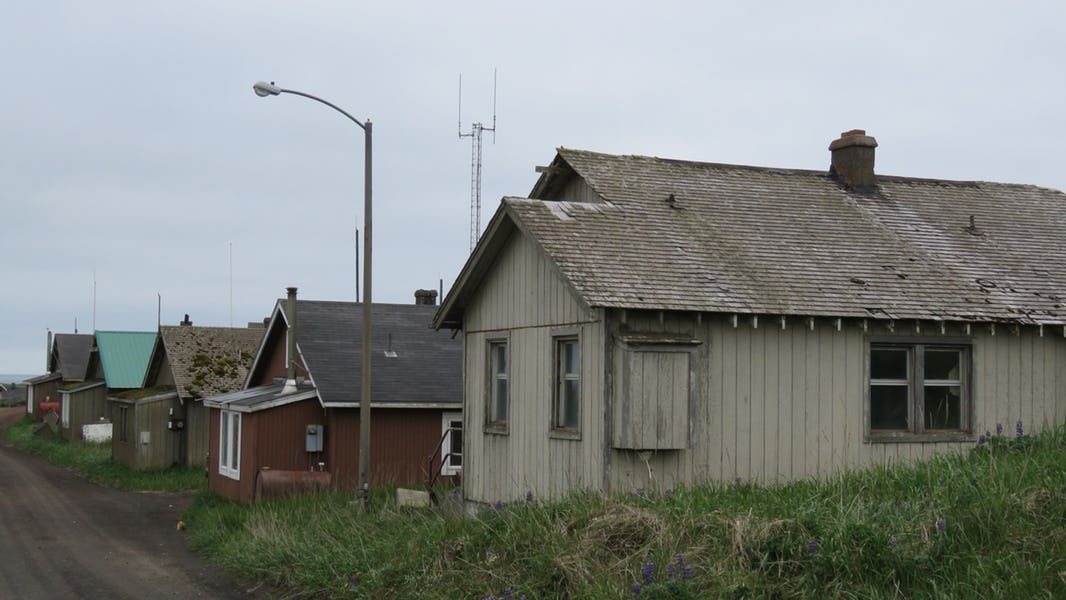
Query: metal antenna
475, 160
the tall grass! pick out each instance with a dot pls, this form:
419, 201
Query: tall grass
93, 460
990, 523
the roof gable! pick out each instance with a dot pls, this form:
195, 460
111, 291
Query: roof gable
70, 355
124, 356
206, 361
689, 236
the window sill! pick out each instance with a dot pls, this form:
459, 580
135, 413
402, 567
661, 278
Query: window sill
230, 474
906, 437
565, 434
496, 429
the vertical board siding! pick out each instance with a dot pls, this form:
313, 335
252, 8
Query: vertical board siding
780, 405
196, 433
400, 443
524, 299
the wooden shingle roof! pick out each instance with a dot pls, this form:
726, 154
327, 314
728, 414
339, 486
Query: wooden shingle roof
206, 361
688, 236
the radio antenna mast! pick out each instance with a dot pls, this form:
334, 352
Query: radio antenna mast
475, 159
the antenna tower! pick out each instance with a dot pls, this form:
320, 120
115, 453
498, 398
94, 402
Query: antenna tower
475, 160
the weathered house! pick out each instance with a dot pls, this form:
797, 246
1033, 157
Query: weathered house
308, 419
165, 423
71, 360
643, 322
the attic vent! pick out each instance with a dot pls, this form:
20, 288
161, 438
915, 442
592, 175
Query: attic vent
390, 353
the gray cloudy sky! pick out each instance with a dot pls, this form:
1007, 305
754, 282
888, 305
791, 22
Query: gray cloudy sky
132, 146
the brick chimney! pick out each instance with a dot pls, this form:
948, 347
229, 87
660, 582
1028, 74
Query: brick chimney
853, 160
186, 322
426, 297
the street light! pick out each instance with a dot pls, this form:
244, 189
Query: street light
263, 89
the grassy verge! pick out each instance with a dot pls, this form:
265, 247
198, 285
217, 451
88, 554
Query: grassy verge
990, 522
93, 460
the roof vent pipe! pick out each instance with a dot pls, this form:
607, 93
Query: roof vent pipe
290, 338
853, 160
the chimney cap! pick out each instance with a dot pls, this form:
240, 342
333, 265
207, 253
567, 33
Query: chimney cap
854, 137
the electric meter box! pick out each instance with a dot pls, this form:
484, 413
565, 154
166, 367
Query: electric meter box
315, 439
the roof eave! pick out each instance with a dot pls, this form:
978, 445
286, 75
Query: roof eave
450, 313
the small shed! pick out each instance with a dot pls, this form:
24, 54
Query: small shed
81, 403
143, 435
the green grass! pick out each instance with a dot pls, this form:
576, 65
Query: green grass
990, 522
93, 460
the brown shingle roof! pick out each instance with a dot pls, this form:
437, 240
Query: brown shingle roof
209, 360
689, 236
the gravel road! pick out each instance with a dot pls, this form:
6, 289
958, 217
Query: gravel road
63, 537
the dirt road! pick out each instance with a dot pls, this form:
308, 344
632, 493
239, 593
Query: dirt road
63, 537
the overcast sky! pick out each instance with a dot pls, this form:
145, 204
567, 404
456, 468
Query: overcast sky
133, 152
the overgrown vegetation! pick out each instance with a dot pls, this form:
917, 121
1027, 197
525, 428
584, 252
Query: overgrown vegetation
987, 523
93, 460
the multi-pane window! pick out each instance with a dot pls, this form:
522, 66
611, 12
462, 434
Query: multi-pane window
229, 444
498, 384
919, 388
566, 405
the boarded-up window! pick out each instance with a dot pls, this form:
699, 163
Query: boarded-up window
653, 387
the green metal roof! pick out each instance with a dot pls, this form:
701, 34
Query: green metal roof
124, 356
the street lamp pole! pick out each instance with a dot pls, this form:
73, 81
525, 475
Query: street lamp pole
264, 89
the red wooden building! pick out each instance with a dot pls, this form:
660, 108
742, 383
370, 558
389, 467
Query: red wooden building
307, 418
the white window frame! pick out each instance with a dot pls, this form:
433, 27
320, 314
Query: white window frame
229, 462
493, 423
447, 468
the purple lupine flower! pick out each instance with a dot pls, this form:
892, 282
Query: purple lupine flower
688, 573
636, 587
648, 573
353, 580
999, 428
941, 525
812, 547
506, 593
981, 440
498, 505
529, 496
737, 481
893, 542
1018, 428
669, 493
670, 570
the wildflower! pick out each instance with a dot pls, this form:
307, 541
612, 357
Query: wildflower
353, 580
893, 542
988, 435
669, 493
941, 525
529, 496
812, 548
507, 594
648, 573
1018, 428
981, 440
687, 573
636, 587
999, 428
498, 505
737, 481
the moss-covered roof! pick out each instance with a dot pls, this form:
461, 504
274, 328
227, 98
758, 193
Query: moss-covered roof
207, 361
